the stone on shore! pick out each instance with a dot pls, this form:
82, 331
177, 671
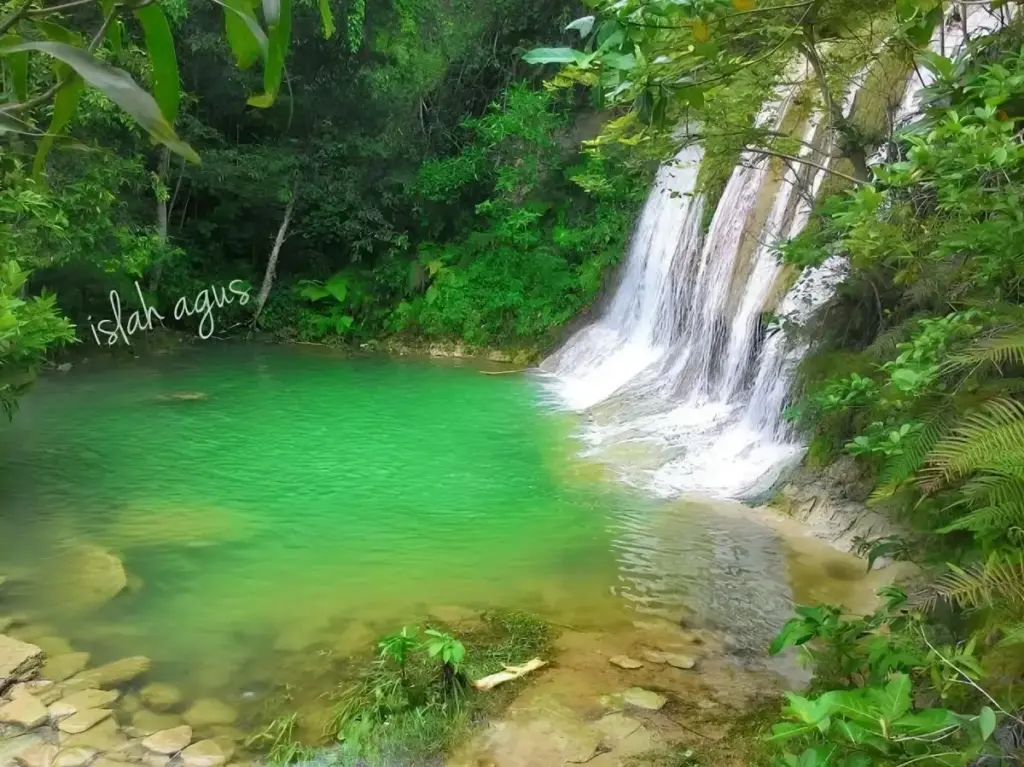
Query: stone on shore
39, 755
80, 701
83, 720
169, 741
114, 674
210, 711
624, 661
18, 661
62, 667
160, 696
25, 711
205, 753
53, 645
680, 661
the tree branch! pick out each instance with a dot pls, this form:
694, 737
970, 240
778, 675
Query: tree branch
15, 17
57, 8
805, 161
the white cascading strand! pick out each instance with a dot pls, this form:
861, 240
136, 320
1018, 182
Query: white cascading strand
682, 388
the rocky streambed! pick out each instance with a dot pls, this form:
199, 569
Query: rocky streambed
58, 712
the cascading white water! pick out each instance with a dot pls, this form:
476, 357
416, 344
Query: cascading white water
683, 392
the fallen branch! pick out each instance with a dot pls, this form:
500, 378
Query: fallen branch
510, 673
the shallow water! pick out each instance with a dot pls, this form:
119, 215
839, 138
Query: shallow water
310, 499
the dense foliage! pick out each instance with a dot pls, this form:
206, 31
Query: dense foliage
919, 377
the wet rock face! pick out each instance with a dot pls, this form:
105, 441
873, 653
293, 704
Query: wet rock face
18, 661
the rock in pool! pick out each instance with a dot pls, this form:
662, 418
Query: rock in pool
624, 661
169, 741
205, 753
24, 711
62, 667
210, 711
18, 661
160, 696
83, 720
114, 674
80, 701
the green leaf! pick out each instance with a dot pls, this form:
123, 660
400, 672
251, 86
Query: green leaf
893, 701
623, 61
245, 36
64, 105
787, 730
987, 722
279, 37
337, 286
119, 87
313, 292
431, 294
583, 25
11, 124
326, 17
115, 28
924, 722
160, 47
17, 63
794, 632
554, 56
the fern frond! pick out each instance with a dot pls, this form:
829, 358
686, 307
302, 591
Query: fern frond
1002, 386
990, 439
998, 582
1013, 636
1000, 350
990, 521
993, 489
899, 468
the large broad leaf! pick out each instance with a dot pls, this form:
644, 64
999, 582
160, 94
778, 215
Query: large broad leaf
119, 87
986, 722
326, 17
247, 39
894, 700
64, 105
160, 46
17, 64
554, 56
279, 37
583, 25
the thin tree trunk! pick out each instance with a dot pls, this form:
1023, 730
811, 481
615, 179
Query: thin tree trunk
271, 270
161, 214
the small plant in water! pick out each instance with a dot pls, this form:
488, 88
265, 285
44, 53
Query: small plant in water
397, 647
278, 741
451, 653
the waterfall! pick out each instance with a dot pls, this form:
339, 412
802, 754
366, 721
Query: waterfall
682, 386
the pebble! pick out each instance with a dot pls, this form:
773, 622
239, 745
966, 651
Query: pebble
79, 701
205, 753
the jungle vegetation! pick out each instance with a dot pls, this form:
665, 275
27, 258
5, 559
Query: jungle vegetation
382, 168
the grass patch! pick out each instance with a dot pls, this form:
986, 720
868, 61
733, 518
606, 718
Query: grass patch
415, 702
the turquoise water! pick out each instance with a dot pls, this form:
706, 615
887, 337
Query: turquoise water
277, 508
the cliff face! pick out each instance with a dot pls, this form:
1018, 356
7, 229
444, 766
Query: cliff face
831, 503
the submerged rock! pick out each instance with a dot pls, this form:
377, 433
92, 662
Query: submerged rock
210, 711
24, 711
62, 667
18, 661
53, 645
105, 736
637, 697
39, 755
205, 753
78, 756
145, 722
169, 741
86, 577
160, 696
114, 674
80, 701
83, 720
624, 661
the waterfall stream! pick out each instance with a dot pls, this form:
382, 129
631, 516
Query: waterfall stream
682, 385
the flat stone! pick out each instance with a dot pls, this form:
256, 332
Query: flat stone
160, 696
624, 661
80, 701
169, 741
205, 753
106, 761
654, 656
105, 736
18, 661
83, 720
152, 759
12, 748
78, 756
227, 746
146, 722
24, 711
210, 711
680, 661
35, 687
86, 577
645, 699
131, 703
114, 674
38, 755
61, 667
53, 645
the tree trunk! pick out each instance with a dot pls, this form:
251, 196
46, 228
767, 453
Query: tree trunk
271, 270
161, 213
